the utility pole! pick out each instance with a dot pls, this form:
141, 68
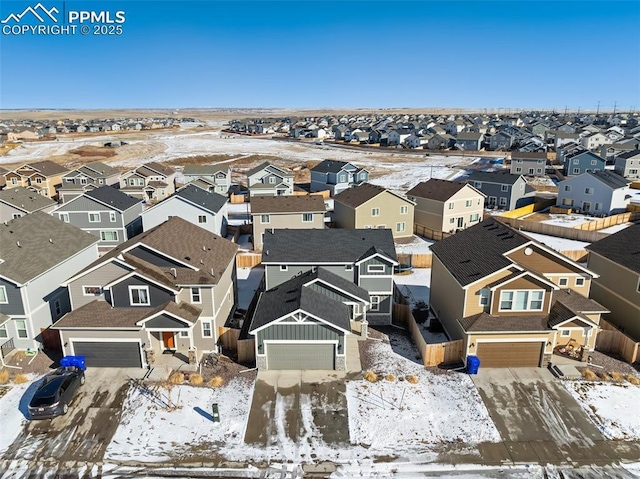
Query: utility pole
598, 111
615, 104
565, 110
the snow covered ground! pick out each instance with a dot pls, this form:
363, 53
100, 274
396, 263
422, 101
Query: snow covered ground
418, 283
401, 176
614, 408
248, 281
616, 228
13, 409
558, 244
569, 221
418, 245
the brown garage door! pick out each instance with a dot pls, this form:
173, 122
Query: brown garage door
509, 355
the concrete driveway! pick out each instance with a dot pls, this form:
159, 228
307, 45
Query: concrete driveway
298, 406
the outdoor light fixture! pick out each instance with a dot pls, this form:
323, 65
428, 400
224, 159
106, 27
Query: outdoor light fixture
472, 345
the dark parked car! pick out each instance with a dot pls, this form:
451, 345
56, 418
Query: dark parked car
56, 391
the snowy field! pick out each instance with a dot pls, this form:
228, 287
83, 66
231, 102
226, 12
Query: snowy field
568, 221
248, 281
418, 245
418, 283
13, 409
614, 229
558, 244
614, 408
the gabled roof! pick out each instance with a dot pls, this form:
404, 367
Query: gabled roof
210, 201
629, 154
35, 243
325, 276
317, 246
622, 248
267, 165
609, 178
25, 199
45, 168
329, 166
502, 178
470, 136
287, 204
95, 170
438, 190
113, 197
159, 168
205, 170
528, 156
359, 195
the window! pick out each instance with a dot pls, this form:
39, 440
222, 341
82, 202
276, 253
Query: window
184, 334
83, 181
375, 211
264, 219
579, 282
567, 187
477, 184
588, 191
452, 220
272, 180
598, 207
539, 170
195, 296
484, 297
3, 295
21, 328
503, 201
39, 181
3, 331
565, 333
91, 290
400, 227
451, 206
594, 162
521, 300
468, 203
284, 267
576, 171
139, 296
576, 162
15, 216
64, 217
14, 181
206, 329
109, 235
518, 170
404, 210
504, 187
307, 217
375, 303
375, 268
567, 202
112, 216
474, 217
94, 217
57, 307
348, 267
202, 219
563, 281
363, 175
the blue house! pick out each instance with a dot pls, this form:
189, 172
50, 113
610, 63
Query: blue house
582, 161
336, 176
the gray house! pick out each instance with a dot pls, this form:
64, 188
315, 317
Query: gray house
17, 202
363, 257
529, 164
105, 212
267, 179
86, 178
38, 253
217, 175
469, 141
599, 192
336, 176
501, 141
628, 165
582, 161
502, 190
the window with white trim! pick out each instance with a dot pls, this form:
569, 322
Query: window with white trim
579, 282
468, 203
206, 329
14, 181
202, 219
109, 235
195, 296
3, 332
64, 217
15, 216
404, 210
375, 268
184, 334
563, 281
265, 219
375, 303
375, 211
57, 307
272, 180
503, 201
588, 191
307, 217
91, 290
484, 297
451, 206
3, 295
94, 217
348, 267
139, 296
400, 227
528, 300
21, 328
565, 333
504, 187
112, 216
474, 217
284, 267
567, 187
576, 171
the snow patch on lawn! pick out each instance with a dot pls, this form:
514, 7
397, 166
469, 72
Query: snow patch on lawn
418, 245
558, 244
13, 409
248, 282
569, 221
418, 284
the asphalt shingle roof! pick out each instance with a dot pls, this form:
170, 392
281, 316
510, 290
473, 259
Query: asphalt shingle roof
484, 322
622, 248
493, 177
204, 170
46, 168
24, 199
211, 201
609, 178
113, 197
359, 195
435, 189
287, 204
329, 166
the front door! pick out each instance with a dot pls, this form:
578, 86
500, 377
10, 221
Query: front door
460, 222
168, 340
586, 206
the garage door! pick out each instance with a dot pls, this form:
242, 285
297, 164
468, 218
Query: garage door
109, 355
509, 355
300, 356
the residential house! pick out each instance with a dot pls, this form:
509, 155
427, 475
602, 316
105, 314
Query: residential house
616, 260
628, 165
501, 190
440, 141
290, 212
267, 179
612, 151
372, 206
17, 202
105, 212
364, 257
336, 176
511, 300
24, 134
561, 138
3, 181
87, 177
219, 175
150, 182
43, 177
582, 161
469, 141
195, 205
594, 141
167, 290
446, 206
501, 140
529, 164
38, 253
599, 192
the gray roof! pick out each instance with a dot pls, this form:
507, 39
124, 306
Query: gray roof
24, 199
469, 136
622, 248
211, 201
528, 156
478, 251
287, 204
95, 170
45, 168
435, 189
350, 287
502, 178
609, 178
329, 166
205, 170
316, 246
629, 154
266, 164
36, 243
113, 197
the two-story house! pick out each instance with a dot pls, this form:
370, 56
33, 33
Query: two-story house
529, 164
149, 182
336, 176
616, 260
469, 141
628, 164
600, 192
582, 161
17, 202
372, 206
513, 301
166, 291
37, 254
87, 177
43, 177
193, 204
218, 175
285, 212
446, 206
502, 190
267, 179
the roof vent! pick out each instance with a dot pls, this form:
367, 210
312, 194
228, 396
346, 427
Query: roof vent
174, 272
201, 261
212, 273
51, 240
18, 244
204, 248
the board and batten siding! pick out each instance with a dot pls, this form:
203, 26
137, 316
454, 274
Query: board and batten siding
224, 298
99, 277
298, 332
14, 306
275, 277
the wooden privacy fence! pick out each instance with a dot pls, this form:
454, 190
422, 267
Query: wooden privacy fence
246, 350
326, 194
235, 199
417, 260
612, 340
429, 233
609, 221
228, 337
553, 230
528, 209
248, 260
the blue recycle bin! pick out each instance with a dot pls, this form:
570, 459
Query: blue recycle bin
473, 364
73, 361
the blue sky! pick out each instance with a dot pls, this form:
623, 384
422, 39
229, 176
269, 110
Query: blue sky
466, 54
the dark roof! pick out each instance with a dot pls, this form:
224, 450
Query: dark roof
484, 322
435, 189
578, 303
293, 295
211, 201
97, 168
113, 197
266, 164
287, 204
205, 170
468, 135
46, 168
528, 156
350, 287
629, 154
622, 248
354, 197
25, 199
478, 251
609, 178
315, 246
503, 178
329, 166
158, 167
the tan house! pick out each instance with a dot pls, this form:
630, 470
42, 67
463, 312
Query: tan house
43, 177
513, 301
616, 259
446, 206
372, 206
151, 182
285, 212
